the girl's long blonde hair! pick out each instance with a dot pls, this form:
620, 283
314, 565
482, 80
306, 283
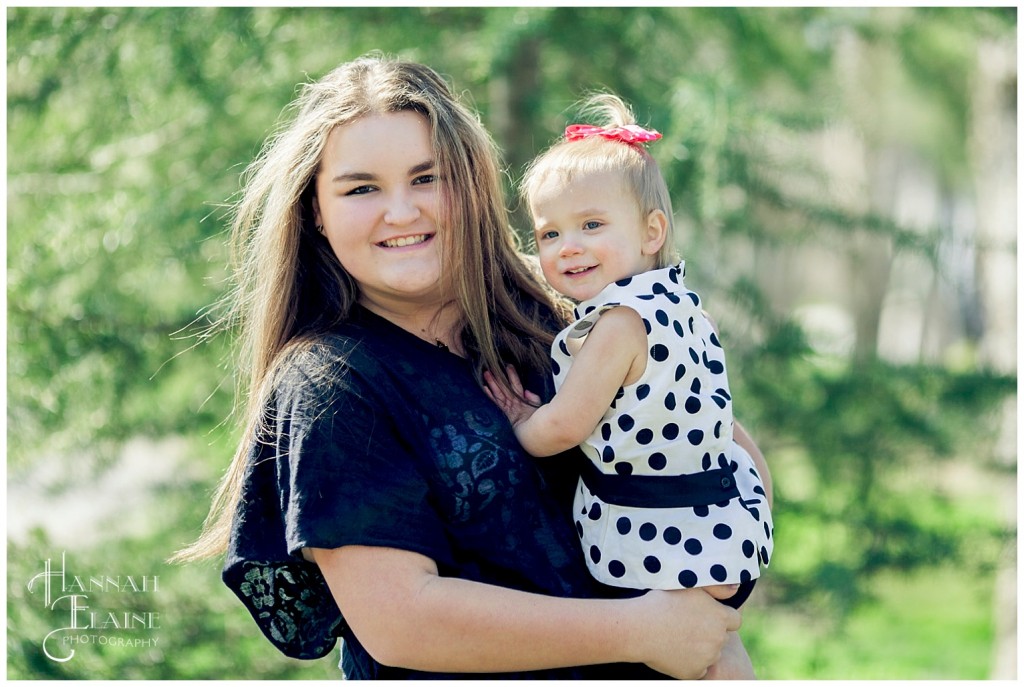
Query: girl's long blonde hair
289, 287
568, 160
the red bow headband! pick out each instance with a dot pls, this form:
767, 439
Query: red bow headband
630, 133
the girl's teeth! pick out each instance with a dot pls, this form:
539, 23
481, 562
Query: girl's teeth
405, 241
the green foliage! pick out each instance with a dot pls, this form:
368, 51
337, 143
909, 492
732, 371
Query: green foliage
129, 127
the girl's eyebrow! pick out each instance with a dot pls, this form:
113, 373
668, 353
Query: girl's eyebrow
421, 167
353, 176
366, 176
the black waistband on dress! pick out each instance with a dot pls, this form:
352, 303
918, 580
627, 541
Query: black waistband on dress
669, 491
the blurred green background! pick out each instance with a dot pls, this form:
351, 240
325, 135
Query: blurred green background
845, 184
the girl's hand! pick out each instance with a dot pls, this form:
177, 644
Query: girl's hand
684, 633
518, 407
734, 664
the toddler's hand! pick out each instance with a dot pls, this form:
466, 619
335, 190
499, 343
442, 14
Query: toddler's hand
517, 406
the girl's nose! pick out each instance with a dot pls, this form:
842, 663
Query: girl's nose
401, 210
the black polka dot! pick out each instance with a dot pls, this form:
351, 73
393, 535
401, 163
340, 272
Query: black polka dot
722, 531
718, 429
719, 401
755, 512
662, 317
595, 554
748, 548
695, 436
563, 348
657, 461
623, 525
714, 340
692, 405
555, 369
764, 555
579, 529
624, 469
695, 387
595, 511
670, 401
693, 297
694, 356
607, 454
688, 579
713, 365
659, 352
643, 391
606, 431
652, 564
647, 326
678, 327
745, 576
659, 288
626, 422
680, 371
672, 297
648, 531
690, 323
723, 393
719, 573
672, 536
624, 281
701, 511
693, 547
644, 436
670, 431
705, 462
616, 568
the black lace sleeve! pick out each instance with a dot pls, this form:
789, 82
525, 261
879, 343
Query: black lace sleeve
291, 604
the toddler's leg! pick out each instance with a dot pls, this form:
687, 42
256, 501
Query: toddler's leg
722, 591
732, 595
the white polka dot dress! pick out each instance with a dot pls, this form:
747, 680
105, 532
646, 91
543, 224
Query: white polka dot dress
669, 500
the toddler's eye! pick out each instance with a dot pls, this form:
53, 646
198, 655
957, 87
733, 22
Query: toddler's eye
551, 234
592, 224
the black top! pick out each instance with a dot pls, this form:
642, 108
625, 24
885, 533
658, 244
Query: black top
376, 437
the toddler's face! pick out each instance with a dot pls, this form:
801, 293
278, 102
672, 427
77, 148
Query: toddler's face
591, 232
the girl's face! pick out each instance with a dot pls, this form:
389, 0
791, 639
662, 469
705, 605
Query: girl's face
591, 232
377, 198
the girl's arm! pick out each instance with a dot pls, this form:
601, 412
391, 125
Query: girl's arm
614, 354
406, 615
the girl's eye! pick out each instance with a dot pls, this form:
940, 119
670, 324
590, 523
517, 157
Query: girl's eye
592, 224
425, 179
359, 191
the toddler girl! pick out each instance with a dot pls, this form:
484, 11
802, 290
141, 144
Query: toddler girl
668, 499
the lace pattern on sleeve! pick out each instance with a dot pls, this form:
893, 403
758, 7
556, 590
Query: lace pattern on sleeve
291, 603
